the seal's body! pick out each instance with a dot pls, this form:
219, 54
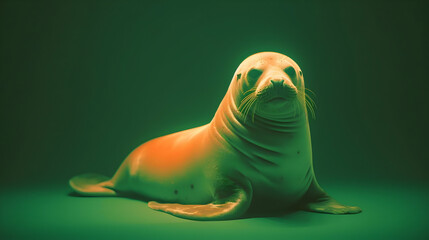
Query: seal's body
256, 150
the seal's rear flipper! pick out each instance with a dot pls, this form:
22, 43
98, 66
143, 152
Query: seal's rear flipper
232, 206
92, 184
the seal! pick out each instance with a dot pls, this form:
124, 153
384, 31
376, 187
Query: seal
256, 151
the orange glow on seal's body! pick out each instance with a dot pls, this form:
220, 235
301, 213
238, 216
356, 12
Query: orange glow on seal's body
170, 155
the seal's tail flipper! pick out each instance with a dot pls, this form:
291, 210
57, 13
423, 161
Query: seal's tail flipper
92, 184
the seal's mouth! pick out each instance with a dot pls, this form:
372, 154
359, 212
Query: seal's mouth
277, 96
277, 92
277, 99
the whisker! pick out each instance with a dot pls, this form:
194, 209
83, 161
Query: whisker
245, 109
246, 106
308, 96
252, 89
252, 107
249, 106
247, 96
244, 101
254, 110
311, 100
309, 90
311, 109
310, 104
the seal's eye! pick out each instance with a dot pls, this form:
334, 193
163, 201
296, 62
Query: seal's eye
290, 71
254, 74
238, 76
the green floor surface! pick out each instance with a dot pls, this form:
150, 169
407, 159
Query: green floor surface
48, 212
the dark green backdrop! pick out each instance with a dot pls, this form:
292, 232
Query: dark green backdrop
85, 82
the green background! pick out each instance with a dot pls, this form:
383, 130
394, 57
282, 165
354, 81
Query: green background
85, 82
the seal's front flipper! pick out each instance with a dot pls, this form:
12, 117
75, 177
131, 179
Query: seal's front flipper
317, 200
330, 206
92, 184
232, 206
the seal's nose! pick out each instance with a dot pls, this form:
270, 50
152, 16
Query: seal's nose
277, 82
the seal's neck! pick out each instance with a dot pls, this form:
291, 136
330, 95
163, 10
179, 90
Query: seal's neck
230, 125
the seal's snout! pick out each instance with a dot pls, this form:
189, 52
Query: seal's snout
277, 83
277, 87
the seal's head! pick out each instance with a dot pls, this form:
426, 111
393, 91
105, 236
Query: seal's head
270, 85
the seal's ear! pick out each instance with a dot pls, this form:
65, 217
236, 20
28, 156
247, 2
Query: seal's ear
238, 76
